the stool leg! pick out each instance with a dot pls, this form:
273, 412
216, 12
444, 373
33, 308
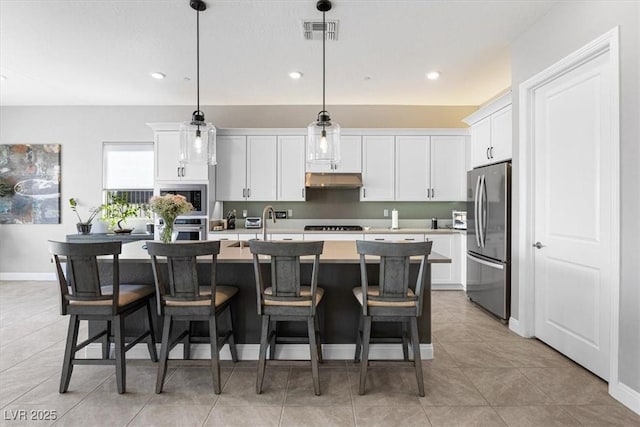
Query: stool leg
405, 341
356, 357
318, 338
314, 355
69, 353
151, 339
164, 353
215, 357
121, 368
274, 337
186, 343
366, 335
106, 341
262, 361
232, 340
417, 359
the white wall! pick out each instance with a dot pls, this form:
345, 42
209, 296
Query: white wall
567, 27
82, 130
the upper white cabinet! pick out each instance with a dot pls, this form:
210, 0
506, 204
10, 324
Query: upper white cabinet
167, 167
247, 168
291, 161
448, 170
491, 137
412, 178
377, 168
350, 157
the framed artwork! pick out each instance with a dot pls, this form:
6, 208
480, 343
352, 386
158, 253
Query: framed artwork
29, 183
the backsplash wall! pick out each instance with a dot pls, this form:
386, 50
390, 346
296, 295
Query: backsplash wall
346, 204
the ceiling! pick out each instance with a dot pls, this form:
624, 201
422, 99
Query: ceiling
100, 52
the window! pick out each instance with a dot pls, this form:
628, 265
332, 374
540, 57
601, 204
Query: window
128, 168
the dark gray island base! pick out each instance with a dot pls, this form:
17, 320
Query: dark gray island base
338, 312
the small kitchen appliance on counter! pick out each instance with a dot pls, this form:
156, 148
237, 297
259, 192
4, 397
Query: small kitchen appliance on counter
459, 220
231, 220
253, 222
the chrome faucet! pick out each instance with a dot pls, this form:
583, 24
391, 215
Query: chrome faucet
265, 212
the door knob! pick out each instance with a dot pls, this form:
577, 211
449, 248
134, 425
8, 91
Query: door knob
538, 245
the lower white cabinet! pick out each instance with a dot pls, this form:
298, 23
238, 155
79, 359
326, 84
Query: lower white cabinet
334, 236
394, 237
449, 246
283, 236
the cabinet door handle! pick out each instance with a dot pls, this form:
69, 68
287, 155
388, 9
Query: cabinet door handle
491, 152
364, 193
303, 193
178, 171
248, 193
433, 193
183, 170
244, 193
488, 148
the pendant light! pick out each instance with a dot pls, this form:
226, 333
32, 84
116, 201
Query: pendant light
323, 139
197, 137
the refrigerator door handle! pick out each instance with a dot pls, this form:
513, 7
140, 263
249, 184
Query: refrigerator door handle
498, 266
481, 211
476, 211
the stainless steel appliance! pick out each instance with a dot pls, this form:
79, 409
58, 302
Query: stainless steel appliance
196, 194
332, 228
253, 222
489, 238
190, 228
459, 220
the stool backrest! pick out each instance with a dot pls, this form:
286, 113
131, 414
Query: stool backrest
285, 270
395, 259
180, 283
83, 276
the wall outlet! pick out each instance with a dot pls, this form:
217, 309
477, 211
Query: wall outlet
290, 213
244, 213
385, 213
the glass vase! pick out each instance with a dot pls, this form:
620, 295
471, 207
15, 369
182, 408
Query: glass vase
167, 234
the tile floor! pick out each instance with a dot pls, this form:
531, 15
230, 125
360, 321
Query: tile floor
482, 375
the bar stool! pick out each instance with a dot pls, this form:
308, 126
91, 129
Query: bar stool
286, 299
180, 297
83, 297
392, 300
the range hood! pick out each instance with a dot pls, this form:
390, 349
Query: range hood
333, 180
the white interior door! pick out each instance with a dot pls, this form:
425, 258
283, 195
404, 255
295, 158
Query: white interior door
573, 199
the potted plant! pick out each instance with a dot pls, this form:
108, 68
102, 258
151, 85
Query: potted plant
117, 210
84, 227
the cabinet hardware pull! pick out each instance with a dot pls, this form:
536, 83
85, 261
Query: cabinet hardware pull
364, 193
488, 148
244, 192
178, 171
248, 193
491, 152
303, 193
433, 193
183, 171
377, 238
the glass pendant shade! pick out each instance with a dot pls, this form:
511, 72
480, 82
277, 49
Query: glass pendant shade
323, 142
197, 143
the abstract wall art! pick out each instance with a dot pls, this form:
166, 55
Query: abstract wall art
29, 183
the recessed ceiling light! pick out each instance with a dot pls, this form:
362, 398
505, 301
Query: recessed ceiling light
295, 75
433, 75
367, 78
158, 75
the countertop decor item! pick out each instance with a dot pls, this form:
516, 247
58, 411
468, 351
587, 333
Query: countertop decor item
117, 210
169, 207
197, 137
323, 140
84, 227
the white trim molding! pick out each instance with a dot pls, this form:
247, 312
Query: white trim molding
608, 42
38, 277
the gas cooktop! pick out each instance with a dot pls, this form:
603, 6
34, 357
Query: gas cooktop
332, 228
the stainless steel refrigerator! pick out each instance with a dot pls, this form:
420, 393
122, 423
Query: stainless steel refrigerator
489, 238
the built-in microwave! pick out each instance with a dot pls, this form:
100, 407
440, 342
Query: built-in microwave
196, 194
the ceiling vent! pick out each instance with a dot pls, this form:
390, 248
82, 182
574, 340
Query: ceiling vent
312, 30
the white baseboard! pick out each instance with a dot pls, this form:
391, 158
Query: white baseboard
283, 352
514, 325
625, 395
39, 277
447, 287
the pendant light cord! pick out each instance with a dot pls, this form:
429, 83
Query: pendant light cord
198, 57
324, 40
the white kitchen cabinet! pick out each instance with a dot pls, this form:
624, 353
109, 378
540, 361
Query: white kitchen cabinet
350, 157
491, 136
430, 168
394, 237
168, 168
448, 170
286, 236
291, 161
249, 236
413, 175
333, 236
222, 236
449, 246
247, 168
378, 168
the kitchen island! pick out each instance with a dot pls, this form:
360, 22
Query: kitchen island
339, 273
